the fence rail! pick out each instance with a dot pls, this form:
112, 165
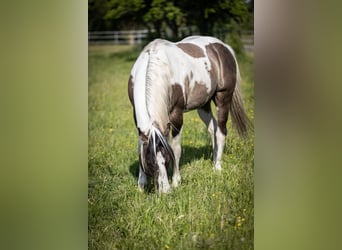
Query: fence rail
117, 37
247, 39
137, 37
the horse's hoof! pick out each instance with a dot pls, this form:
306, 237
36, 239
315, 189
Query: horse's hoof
141, 189
176, 181
218, 167
175, 184
165, 190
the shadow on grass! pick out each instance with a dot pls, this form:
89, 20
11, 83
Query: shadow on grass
134, 170
189, 154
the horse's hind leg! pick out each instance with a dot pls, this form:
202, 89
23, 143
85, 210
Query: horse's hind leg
223, 102
207, 117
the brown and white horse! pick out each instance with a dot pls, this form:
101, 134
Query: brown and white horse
170, 78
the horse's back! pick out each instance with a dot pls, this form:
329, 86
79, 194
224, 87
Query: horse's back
201, 40
205, 41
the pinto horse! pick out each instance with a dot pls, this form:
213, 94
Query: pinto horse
169, 79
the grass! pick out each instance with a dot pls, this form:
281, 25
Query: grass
209, 210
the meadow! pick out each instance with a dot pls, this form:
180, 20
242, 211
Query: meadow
209, 210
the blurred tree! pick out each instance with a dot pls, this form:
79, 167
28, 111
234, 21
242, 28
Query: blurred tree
97, 9
249, 22
166, 17
163, 12
205, 14
125, 13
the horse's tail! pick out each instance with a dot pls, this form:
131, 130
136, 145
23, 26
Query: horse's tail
239, 117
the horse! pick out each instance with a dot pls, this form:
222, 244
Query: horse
169, 79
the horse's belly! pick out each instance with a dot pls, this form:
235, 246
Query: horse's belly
197, 97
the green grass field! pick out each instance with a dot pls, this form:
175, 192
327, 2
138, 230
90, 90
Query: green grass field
209, 210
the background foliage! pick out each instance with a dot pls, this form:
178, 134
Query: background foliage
171, 18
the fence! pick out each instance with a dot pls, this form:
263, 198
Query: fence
137, 37
117, 37
247, 39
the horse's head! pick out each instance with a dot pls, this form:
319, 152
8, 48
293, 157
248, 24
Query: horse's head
154, 151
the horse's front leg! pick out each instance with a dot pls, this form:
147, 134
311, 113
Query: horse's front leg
163, 183
177, 150
142, 180
176, 119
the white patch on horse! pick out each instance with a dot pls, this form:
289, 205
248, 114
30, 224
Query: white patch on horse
185, 64
163, 182
139, 74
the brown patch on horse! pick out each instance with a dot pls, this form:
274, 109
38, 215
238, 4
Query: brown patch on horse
130, 89
223, 102
223, 73
186, 88
130, 96
191, 49
177, 107
222, 60
197, 97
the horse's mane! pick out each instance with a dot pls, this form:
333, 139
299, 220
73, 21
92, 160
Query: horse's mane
157, 96
158, 85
